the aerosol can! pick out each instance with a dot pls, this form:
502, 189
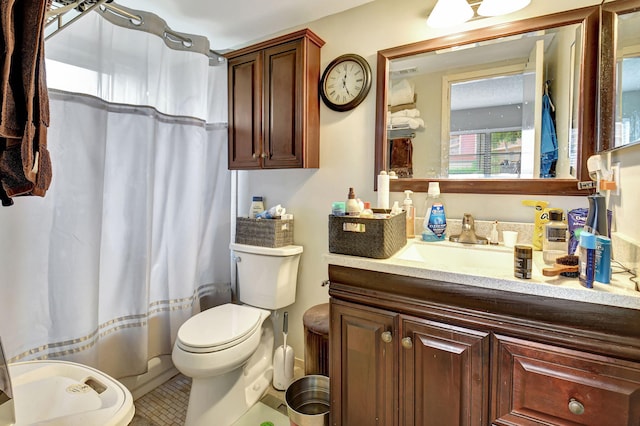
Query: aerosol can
283, 360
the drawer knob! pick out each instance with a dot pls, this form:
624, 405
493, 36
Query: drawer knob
576, 407
407, 343
387, 337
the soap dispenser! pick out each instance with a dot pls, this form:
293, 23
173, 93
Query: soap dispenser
410, 210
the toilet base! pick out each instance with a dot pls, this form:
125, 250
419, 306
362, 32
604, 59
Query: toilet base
223, 399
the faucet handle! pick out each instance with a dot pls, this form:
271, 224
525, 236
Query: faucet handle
468, 222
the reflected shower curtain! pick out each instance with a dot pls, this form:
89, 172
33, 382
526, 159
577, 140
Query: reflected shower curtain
135, 226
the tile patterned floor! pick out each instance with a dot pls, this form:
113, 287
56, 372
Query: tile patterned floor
167, 406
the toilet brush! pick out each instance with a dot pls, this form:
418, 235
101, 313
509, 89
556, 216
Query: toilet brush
283, 360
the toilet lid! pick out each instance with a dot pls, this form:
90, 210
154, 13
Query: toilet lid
218, 328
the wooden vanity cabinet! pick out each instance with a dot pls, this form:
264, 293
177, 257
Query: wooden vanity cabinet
442, 370
409, 351
274, 107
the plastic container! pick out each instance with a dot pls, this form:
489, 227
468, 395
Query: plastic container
257, 206
603, 259
366, 212
554, 242
407, 206
435, 219
522, 261
540, 218
596, 222
352, 207
338, 208
587, 256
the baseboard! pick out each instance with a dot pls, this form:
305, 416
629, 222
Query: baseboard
159, 370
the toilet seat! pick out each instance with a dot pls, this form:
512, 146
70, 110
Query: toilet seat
219, 328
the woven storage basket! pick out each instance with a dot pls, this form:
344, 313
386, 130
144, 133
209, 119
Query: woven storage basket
264, 232
375, 238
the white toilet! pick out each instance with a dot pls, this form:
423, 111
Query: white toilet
228, 350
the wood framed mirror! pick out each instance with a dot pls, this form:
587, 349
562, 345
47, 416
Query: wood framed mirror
579, 118
619, 75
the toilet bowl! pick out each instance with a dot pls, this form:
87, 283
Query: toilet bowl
67, 394
229, 370
227, 350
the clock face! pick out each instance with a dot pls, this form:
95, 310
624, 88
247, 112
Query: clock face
346, 82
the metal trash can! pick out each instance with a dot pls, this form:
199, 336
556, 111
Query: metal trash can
308, 401
316, 341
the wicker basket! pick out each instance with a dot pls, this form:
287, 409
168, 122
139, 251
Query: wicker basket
374, 238
264, 232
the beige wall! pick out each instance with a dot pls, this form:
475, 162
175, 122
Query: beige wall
347, 148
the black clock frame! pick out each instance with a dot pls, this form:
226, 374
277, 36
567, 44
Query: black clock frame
365, 87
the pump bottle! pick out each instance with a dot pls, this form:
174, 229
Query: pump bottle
407, 206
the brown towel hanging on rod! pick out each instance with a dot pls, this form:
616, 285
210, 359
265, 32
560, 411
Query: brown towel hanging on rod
25, 166
401, 158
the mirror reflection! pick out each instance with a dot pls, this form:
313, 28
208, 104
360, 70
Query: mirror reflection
627, 108
500, 108
466, 109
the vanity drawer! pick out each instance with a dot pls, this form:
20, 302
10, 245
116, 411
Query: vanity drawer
534, 384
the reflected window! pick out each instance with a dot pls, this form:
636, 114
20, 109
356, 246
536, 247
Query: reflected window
485, 135
489, 154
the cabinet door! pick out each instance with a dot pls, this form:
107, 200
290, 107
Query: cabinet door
537, 384
362, 366
283, 109
444, 373
245, 111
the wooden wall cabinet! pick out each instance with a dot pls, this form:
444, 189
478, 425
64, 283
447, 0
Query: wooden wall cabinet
274, 107
409, 351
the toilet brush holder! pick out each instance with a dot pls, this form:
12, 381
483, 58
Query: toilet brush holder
283, 360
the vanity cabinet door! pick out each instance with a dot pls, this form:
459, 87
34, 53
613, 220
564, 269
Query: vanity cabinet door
444, 374
535, 383
362, 361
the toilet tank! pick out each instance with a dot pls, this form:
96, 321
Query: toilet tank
267, 277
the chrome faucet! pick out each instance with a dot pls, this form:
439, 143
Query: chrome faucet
468, 234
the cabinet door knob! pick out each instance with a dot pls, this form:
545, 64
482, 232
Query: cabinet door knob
576, 407
254, 156
264, 155
407, 343
386, 337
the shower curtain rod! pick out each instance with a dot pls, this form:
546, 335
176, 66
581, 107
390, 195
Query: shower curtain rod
135, 20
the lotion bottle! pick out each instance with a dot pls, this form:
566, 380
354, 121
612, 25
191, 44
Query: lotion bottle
352, 207
408, 207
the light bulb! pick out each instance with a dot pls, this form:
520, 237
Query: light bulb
447, 13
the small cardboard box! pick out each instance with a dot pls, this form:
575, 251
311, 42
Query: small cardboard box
374, 238
264, 232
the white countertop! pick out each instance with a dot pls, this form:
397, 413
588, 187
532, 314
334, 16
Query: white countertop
620, 292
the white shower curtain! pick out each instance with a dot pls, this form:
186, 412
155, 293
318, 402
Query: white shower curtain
135, 227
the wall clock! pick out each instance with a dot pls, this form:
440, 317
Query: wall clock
345, 82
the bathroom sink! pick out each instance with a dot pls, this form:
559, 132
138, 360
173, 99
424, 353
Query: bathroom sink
463, 258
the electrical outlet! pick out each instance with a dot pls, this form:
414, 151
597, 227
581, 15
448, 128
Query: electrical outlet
615, 174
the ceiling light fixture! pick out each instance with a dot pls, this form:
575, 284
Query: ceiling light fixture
447, 13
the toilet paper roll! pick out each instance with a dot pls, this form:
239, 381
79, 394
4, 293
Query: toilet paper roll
383, 190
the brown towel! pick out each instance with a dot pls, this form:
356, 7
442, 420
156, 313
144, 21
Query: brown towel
24, 100
401, 160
